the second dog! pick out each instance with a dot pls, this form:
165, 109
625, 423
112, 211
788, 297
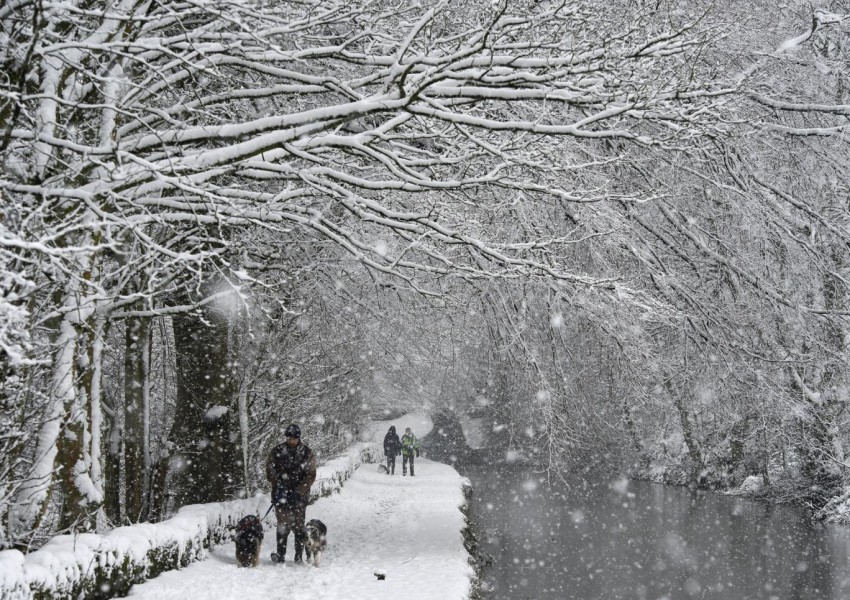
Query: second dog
316, 540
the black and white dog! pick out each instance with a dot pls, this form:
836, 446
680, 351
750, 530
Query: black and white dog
316, 540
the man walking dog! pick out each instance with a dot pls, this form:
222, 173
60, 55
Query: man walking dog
291, 469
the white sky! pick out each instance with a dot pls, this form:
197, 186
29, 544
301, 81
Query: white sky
410, 528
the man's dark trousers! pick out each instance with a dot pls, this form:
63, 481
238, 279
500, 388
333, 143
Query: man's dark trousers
291, 518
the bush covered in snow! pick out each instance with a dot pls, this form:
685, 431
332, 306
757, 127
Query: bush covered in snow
752, 485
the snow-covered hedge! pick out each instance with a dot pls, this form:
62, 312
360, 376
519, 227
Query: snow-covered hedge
331, 475
104, 566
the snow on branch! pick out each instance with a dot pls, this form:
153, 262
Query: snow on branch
819, 19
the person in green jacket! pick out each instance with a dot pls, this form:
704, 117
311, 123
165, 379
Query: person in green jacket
409, 449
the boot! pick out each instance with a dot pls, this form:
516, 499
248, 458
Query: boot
299, 549
278, 556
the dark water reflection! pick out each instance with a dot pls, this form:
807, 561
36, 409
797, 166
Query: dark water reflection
636, 540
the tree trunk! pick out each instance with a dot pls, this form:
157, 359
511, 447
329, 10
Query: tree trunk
208, 455
112, 473
77, 384
136, 417
158, 501
694, 451
33, 496
243, 436
820, 446
15, 409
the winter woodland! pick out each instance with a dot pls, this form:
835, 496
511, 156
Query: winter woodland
617, 233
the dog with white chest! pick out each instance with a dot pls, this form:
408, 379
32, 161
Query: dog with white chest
316, 540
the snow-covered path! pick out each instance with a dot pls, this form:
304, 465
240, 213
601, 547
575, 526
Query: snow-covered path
409, 527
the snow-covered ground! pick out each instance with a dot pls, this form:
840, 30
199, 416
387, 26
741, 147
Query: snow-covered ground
406, 527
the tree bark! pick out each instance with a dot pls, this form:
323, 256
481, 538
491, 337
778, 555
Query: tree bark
694, 451
112, 473
136, 417
207, 453
78, 453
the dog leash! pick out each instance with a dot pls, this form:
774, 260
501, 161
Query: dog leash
267, 512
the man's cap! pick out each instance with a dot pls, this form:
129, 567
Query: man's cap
293, 431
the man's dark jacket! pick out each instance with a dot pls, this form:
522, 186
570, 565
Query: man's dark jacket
291, 470
392, 445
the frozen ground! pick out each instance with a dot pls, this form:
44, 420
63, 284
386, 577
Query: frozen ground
408, 528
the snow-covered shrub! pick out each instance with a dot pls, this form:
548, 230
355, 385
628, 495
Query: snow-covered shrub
331, 475
753, 484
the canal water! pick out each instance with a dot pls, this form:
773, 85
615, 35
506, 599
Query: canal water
631, 540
